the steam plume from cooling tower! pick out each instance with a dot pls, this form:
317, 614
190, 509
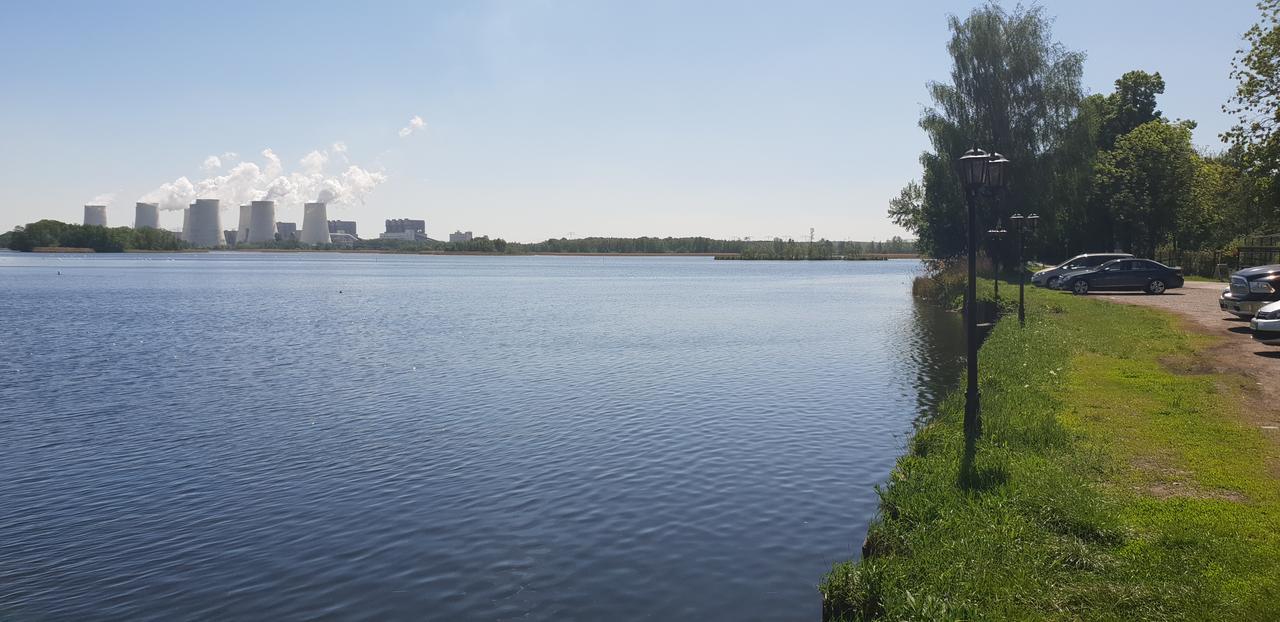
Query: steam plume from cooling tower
318, 178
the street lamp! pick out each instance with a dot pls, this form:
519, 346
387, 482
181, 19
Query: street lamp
981, 173
1030, 223
997, 233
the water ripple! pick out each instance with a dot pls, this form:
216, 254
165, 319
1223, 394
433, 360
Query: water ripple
304, 436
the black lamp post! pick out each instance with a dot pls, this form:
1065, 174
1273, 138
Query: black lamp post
998, 234
1028, 222
981, 173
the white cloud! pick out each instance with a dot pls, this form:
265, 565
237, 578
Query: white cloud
415, 124
211, 163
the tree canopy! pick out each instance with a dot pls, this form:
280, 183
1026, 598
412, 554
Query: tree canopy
1106, 171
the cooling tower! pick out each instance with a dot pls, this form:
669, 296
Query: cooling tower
262, 222
95, 215
205, 225
315, 224
242, 231
146, 216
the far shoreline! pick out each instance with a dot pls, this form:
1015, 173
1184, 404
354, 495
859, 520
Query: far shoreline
371, 251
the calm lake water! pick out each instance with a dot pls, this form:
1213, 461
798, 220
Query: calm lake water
268, 436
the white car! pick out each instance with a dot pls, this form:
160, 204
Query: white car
1266, 324
1050, 277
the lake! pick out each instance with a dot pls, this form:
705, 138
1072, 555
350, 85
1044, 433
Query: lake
296, 435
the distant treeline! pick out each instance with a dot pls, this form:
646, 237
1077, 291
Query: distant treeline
52, 233
776, 248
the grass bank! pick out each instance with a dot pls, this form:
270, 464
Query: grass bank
1115, 481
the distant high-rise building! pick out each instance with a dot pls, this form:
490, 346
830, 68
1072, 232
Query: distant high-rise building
403, 225
343, 226
287, 231
460, 236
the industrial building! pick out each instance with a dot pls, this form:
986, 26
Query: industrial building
405, 229
343, 226
460, 236
262, 222
342, 240
287, 231
146, 216
401, 225
315, 224
242, 230
96, 215
203, 226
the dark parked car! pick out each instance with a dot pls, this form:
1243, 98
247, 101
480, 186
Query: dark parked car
1049, 277
1149, 276
1251, 289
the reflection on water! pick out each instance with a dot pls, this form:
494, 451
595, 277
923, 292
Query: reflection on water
937, 356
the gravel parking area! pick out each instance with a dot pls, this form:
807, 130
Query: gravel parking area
1236, 353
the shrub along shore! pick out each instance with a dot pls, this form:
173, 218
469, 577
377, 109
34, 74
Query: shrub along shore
1114, 480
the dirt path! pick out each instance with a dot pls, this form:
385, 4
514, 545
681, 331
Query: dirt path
1235, 353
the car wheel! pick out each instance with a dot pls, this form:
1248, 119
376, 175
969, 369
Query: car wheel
1080, 287
1052, 283
1156, 286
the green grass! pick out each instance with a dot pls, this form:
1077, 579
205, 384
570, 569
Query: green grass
1203, 279
1110, 484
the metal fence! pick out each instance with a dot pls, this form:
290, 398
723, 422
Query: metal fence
1257, 250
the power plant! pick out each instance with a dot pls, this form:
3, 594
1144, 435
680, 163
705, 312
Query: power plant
146, 216
262, 222
315, 224
95, 215
204, 224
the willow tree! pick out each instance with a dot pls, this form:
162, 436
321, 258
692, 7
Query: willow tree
1013, 90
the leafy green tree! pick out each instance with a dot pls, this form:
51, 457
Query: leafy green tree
1133, 103
1256, 103
1146, 182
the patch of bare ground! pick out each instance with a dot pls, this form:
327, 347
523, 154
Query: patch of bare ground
1254, 366
1244, 367
1167, 482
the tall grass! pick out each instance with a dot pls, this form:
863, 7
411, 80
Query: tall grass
1067, 511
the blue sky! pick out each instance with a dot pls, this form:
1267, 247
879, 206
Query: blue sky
726, 119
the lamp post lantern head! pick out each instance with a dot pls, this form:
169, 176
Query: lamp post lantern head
997, 166
973, 168
1032, 220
